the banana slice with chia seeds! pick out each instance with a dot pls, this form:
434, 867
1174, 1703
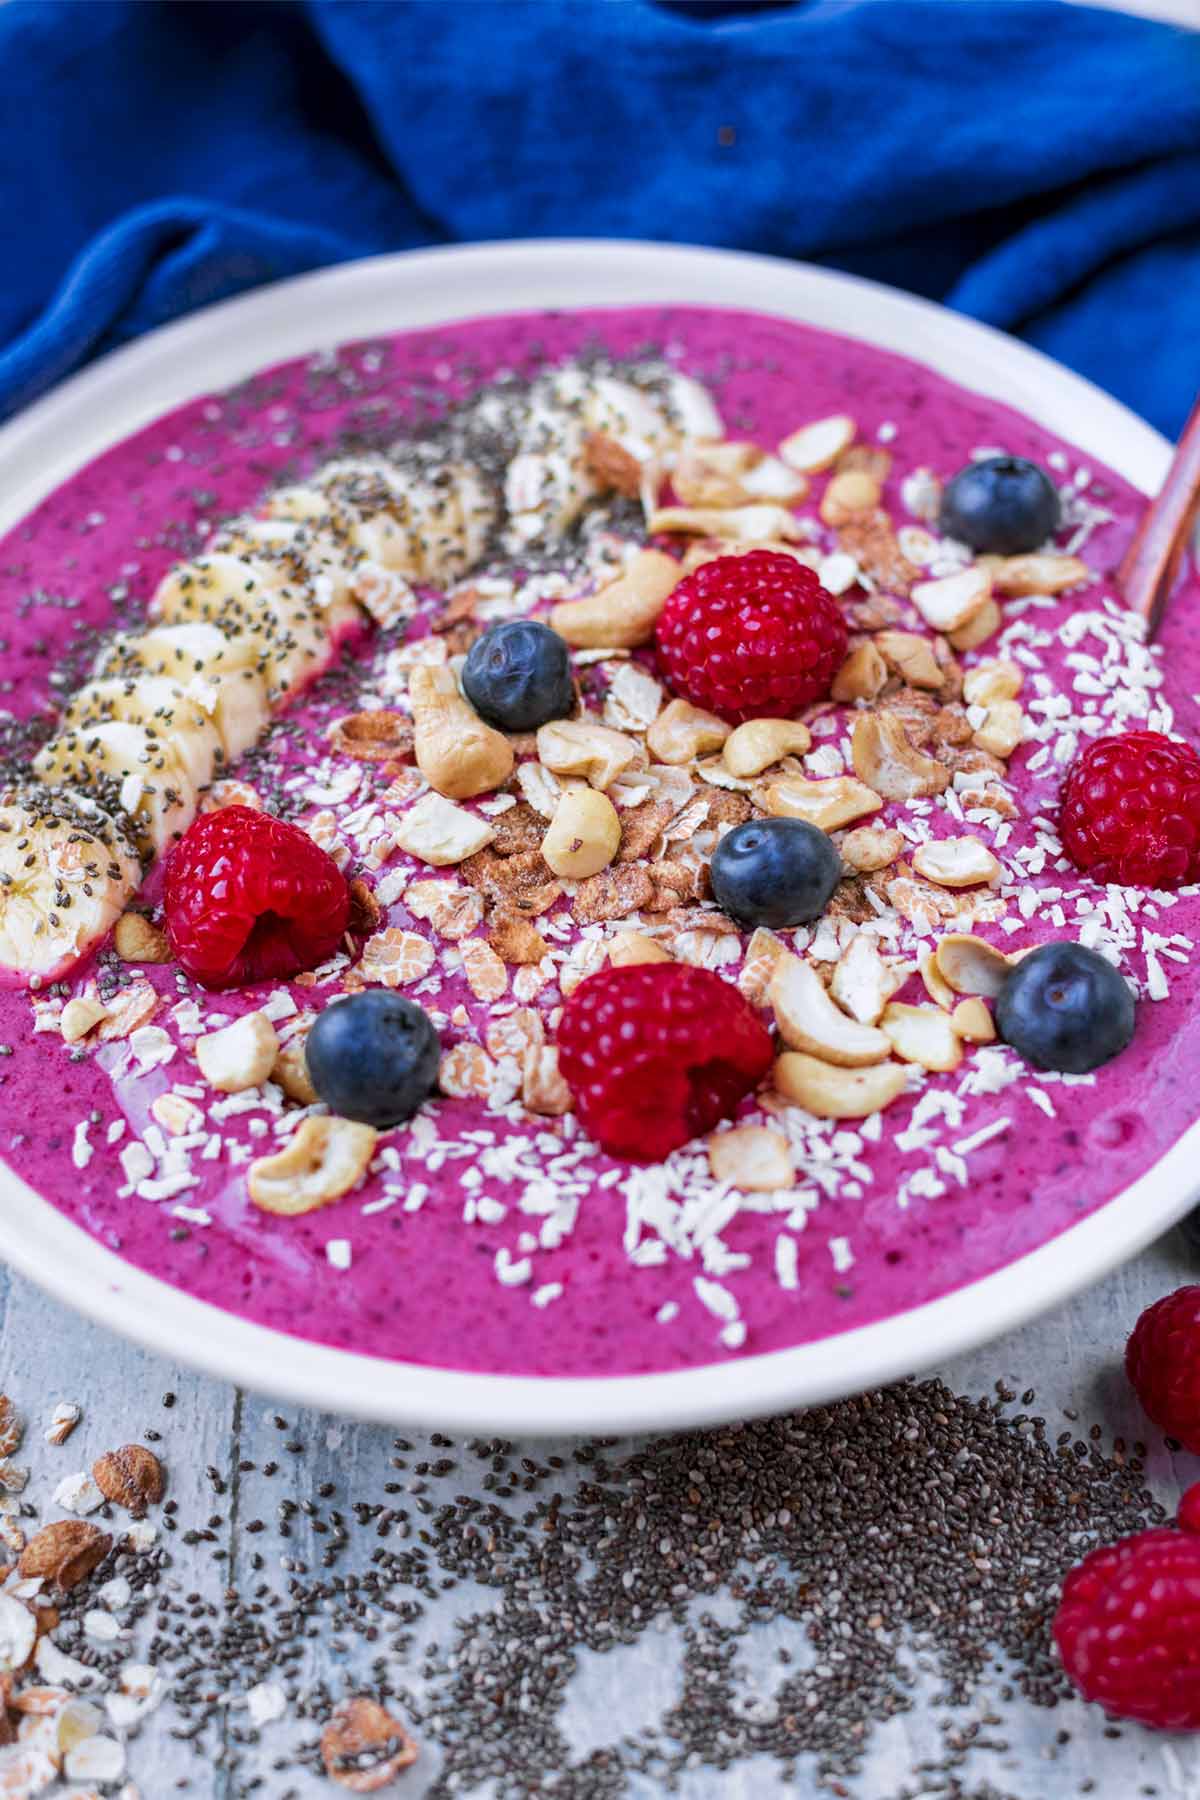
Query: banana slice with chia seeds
164, 708
67, 872
315, 552
409, 512
252, 599
130, 770
222, 670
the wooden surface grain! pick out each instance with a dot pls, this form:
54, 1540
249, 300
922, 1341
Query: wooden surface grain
1072, 1356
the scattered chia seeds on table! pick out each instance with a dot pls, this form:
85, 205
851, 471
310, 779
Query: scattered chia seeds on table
906, 1531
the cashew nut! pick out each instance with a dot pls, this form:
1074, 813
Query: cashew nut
870, 848
321, 1163
629, 947
992, 680
1002, 730
972, 1021
1037, 574
970, 965
936, 985
456, 752
622, 615
922, 1035
950, 601
863, 983
584, 834
240, 1055
979, 628
832, 1093
825, 804
758, 524
911, 657
808, 1019
583, 747
758, 743
958, 862
861, 676
851, 492
751, 1157
682, 732
889, 763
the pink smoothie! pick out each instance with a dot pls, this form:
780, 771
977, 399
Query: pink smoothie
422, 1282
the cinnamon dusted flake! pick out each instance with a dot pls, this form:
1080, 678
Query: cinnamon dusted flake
968, 759
701, 918
613, 894
12, 1428
365, 910
376, 736
849, 901
641, 826
514, 939
523, 882
726, 808
518, 831
870, 540
611, 466
64, 1552
866, 459
873, 613
363, 1747
131, 1477
458, 607
674, 882
950, 726
459, 639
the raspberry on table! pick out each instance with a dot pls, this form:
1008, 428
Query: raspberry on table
751, 637
657, 1053
1131, 811
249, 897
1128, 1624
1162, 1361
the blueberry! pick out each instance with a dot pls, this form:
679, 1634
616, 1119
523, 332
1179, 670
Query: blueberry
774, 872
1064, 1007
373, 1057
517, 676
1003, 505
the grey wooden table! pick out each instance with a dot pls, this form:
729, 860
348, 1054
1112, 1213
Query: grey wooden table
1072, 1356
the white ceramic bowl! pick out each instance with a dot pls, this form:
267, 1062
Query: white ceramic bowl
394, 293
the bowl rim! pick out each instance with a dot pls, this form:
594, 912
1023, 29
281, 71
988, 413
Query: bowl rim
209, 349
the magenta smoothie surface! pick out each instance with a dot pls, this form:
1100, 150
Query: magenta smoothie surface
923, 1202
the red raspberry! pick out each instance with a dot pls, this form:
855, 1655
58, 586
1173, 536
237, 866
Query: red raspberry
1131, 811
1162, 1361
751, 637
1128, 1625
250, 898
656, 1053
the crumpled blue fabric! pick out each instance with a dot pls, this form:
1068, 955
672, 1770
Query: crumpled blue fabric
1035, 164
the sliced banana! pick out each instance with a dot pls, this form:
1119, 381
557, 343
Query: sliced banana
164, 708
223, 670
67, 872
130, 770
251, 597
313, 552
425, 520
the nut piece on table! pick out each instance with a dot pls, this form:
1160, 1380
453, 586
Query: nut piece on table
131, 1477
936, 985
323, 1161
922, 1035
978, 628
891, 765
832, 1093
291, 1072
240, 1055
136, 940
682, 732
850, 492
958, 862
808, 1019
583, 747
911, 657
441, 833
584, 834
870, 848
363, 1747
711, 474
751, 1157
995, 679
63, 1552
758, 743
825, 804
816, 447
629, 947
621, 616
79, 1017
456, 752
861, 676
970, 965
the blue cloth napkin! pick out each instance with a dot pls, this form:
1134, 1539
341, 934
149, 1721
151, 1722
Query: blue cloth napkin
1035, 164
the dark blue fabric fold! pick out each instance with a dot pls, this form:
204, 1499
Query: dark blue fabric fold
1034, 164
